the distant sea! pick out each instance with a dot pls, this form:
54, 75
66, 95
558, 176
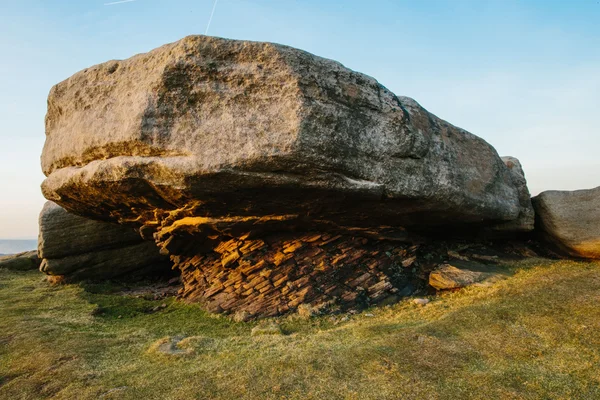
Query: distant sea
17, 246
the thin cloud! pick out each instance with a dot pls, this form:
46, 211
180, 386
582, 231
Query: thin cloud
119, 2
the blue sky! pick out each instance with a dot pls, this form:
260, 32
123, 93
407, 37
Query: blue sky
524, 75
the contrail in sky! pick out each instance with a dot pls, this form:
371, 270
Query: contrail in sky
118, 2
211, 16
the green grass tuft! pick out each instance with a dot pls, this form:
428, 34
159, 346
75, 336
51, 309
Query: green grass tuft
532, 336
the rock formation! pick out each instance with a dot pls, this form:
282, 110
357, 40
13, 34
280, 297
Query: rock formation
457, 274
526, 220
232, 155
20, 262
279, 272
80, 248
570, 220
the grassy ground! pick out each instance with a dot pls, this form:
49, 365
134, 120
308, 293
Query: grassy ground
532, 336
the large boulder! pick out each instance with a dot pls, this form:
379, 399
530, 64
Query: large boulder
80, 248
570, 220
208, 140
238, 128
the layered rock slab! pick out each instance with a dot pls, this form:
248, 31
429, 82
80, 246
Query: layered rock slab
570, 220
80, 248
248, 128
237, 138
280, 272
456, 274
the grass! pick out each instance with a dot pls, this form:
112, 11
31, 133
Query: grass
532, 336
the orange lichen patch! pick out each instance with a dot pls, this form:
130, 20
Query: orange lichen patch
193, 222
586, 249
292, 247
56, 280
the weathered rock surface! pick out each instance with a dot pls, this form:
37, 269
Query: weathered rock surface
570, 220
80, 248
458, 273
277, 273
246, 128
526, 220
21, 262
206, 141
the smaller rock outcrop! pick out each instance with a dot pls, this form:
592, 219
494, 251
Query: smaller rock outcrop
570, 220
80, 248
458, 273
526, 220
21, 262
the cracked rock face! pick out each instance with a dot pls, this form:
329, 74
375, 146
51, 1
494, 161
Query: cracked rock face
205, 140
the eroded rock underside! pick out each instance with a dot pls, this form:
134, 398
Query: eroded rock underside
232, 156
276, 273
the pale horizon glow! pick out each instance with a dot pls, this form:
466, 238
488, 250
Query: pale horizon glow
523, 75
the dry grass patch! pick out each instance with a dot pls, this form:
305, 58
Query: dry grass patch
532, 336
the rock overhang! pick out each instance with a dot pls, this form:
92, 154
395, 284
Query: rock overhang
218, 120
